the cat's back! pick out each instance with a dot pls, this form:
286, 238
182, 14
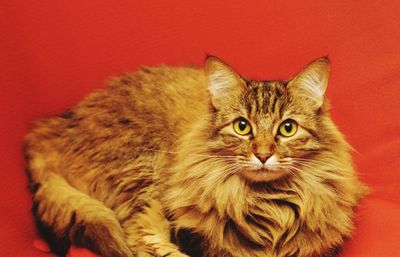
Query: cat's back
146, 109
158, 99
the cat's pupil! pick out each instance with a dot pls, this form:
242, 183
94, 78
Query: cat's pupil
242, 125
288, 126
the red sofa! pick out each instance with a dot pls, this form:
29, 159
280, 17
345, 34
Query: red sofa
53, 53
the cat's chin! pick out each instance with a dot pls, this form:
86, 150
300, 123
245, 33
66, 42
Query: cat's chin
263, 175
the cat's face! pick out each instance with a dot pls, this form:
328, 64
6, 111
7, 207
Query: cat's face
265, 130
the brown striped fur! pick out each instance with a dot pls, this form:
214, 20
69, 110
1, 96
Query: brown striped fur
150, 166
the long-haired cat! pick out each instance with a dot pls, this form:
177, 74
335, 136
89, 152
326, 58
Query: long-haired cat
196, 162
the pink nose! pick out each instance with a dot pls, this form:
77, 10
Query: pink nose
263, 157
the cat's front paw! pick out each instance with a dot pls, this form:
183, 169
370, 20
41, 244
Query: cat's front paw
174, 253
170, 254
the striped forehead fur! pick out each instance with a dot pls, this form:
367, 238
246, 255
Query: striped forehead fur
263, 97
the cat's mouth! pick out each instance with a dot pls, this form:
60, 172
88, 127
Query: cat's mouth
266, 171
264, 174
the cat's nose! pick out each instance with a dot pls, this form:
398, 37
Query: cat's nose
263, 157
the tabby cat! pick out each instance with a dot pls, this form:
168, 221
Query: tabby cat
180, 161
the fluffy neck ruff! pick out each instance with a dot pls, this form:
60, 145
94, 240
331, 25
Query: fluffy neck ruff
312, 209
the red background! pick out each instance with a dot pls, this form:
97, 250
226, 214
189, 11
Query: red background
53, 53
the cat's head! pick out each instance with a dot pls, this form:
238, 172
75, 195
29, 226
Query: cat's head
267, 129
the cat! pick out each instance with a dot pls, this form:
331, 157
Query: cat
183, 161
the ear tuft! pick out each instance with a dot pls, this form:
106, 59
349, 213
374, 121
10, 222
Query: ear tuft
223, 82
312, 81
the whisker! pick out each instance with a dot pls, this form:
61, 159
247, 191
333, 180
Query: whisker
319, 166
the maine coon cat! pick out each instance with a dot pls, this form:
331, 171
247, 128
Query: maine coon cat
196, 162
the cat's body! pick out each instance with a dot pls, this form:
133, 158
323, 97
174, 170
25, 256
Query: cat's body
151, 166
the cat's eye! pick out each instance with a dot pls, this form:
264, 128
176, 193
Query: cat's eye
242, 126
288, 128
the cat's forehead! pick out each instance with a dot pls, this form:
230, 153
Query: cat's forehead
264, 98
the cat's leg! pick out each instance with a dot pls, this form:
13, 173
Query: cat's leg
148, 232
66, 215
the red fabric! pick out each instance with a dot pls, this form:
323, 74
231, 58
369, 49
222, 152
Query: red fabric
52, 53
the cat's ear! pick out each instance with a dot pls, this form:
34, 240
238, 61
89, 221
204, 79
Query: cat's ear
311, 83
224, 84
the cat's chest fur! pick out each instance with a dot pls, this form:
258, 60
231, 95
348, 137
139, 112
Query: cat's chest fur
261, 220
260, 229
